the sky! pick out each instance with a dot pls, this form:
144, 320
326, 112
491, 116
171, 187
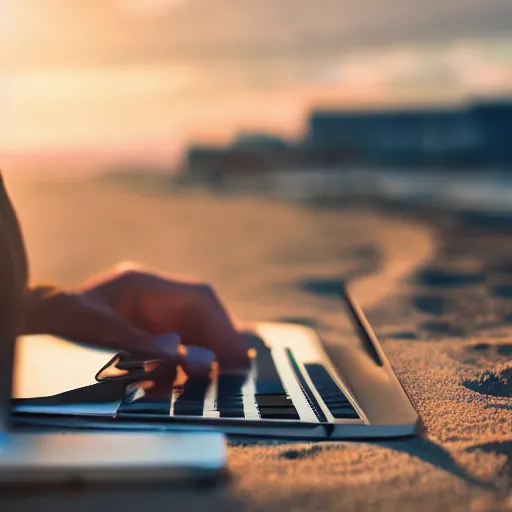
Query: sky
146, 77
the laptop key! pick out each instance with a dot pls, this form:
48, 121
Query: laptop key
272, 387
267, 381
344, 412
278, 400
232, 412
333, 397
229, 395
279, 413
191, 401
154, 400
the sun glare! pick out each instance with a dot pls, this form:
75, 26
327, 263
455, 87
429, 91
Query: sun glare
149, 7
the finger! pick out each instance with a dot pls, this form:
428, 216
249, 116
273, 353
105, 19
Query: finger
203, 320
195, 361
208, 324
106, 329
166, 347
198, 361
170, 344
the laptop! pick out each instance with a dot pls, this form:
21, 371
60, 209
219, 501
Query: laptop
297, 387
32, 454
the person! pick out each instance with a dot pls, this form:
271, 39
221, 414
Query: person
126, 308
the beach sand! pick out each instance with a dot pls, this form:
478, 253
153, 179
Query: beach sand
436, 286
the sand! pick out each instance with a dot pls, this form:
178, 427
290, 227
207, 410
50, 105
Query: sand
436, 286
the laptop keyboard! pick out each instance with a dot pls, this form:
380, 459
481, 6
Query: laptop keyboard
333, 397
229, 396
225, 397
191, 400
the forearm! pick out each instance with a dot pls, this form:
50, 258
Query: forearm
44, 310
82, 317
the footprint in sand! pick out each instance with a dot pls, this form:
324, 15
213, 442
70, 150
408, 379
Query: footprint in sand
444, 278
489, 220
503, 291
400, 335
502, 268
322, 287
493, 383
493, 349
330, 287
366, 261
483, 355
442, 329
441, 280
432, 305
301, 453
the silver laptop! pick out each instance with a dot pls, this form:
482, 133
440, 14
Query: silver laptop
297, 387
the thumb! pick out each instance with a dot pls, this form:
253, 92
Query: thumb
196, 361
166, 347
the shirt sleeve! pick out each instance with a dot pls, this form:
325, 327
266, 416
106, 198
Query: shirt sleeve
13, 262
13, 283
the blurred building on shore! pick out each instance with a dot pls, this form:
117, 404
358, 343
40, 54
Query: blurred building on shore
468, 137
252, 156
475, 136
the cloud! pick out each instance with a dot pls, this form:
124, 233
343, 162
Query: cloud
96, 32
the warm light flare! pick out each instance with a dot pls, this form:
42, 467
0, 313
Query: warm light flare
149, 7
93, 76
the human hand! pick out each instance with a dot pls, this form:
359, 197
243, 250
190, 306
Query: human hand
135, 310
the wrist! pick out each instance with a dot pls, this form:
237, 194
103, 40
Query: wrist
44, 309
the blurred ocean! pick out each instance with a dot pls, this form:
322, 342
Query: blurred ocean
488, 192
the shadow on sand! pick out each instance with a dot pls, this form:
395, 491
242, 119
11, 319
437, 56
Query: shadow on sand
419, 448
433, 454
503, 448
498, 448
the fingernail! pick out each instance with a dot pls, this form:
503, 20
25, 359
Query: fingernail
198, 360
169, 344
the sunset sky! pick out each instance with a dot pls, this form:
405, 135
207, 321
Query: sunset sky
150, 75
